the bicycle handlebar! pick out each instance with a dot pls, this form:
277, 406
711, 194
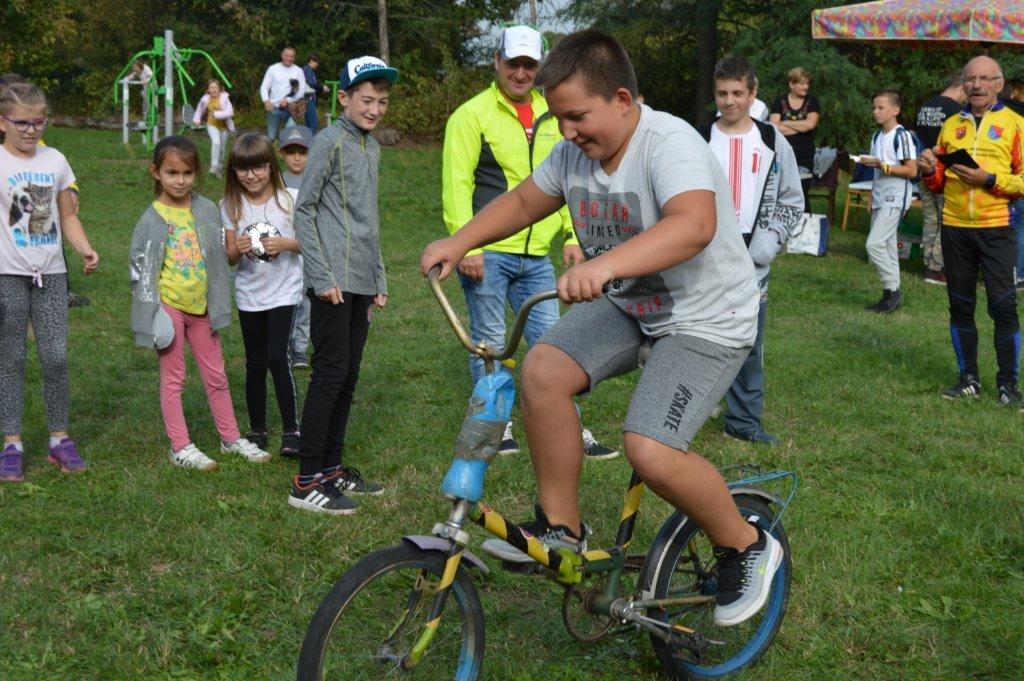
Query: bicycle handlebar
482, 350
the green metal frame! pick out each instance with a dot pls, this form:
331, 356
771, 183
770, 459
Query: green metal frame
153, 91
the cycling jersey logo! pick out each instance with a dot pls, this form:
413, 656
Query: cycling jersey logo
961, 133
995, 132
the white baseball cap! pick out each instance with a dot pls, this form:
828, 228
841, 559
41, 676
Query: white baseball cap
365, 68
521, 41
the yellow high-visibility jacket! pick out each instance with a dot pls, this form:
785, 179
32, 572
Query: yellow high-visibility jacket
486, 153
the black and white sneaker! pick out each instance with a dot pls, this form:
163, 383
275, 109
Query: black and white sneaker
969, 385
258, 438
594, 449
553, 536
320, 497
745, 579
1009, 394
508, 441
351, 481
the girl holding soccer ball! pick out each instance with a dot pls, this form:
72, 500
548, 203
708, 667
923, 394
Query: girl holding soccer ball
257, 215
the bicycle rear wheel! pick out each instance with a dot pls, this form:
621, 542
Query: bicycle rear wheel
685, 568
368, 623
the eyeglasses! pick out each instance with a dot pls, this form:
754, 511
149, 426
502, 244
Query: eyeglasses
38, 125
981, 80
255, 170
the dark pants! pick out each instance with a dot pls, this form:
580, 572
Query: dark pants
994, 252
338, 333
745, 399
266, 335
312, 120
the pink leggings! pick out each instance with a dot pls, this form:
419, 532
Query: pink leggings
205, 344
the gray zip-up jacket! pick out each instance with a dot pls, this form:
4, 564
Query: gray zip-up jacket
782, 199
336, 216
147, 258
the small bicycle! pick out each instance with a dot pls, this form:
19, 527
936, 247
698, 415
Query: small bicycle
383, 617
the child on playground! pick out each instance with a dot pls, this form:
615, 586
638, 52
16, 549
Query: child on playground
337, 221
181, 293
268, 282
294, 152
894, 158
36, 215
215, 112
666, 264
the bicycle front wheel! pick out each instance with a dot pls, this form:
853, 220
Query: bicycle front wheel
685, 567
368, 623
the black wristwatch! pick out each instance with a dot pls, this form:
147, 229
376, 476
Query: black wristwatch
990, 181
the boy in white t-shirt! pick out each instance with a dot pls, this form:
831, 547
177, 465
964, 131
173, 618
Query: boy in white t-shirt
893, 156
765, 182
666, 265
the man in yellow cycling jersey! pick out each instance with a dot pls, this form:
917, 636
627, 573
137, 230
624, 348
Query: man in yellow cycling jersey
976, 232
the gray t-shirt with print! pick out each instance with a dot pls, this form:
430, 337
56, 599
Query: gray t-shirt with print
713, 295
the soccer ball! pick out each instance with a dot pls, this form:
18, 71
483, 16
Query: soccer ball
256, 232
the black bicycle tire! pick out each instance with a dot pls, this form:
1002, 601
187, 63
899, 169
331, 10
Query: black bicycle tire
748, 506
372, 567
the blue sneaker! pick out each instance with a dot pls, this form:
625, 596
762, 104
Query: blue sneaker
11, 466
755, 434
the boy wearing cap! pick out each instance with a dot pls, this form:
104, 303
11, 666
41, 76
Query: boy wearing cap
666, 265
294, 151
491, 143
337, 223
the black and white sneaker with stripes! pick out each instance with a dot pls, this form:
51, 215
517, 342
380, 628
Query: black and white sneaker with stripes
321, 496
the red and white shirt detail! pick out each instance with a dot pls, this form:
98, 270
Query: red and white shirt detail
743, 160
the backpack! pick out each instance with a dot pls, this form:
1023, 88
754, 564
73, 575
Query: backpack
913, 139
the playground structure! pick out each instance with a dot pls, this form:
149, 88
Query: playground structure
167, 57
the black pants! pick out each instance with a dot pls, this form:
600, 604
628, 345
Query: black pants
994, 252
266, 335
338, 334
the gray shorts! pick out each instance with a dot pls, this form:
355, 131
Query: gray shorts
683, 378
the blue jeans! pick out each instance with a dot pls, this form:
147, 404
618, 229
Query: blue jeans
276, 119
513, 278
312, 121
745, 400
1017, 223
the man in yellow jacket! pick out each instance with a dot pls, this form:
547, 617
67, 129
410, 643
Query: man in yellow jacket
492, 143
976, 232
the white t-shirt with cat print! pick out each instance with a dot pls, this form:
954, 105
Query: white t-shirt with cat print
29, 219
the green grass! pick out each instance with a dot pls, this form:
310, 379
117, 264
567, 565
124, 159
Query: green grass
907, 533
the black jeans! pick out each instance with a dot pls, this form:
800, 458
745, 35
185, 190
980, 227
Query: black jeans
338, 334
994, 252
266, 336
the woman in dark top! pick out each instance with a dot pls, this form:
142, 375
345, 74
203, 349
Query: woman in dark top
796, 115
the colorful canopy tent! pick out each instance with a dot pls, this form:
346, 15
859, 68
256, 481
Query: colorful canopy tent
952, 21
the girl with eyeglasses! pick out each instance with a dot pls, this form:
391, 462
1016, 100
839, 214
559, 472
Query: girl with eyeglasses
36, 214
257, 216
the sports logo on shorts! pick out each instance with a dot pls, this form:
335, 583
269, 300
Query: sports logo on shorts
961, 133
995, 132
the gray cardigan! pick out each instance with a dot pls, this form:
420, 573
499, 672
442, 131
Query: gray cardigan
147, 259
336, 216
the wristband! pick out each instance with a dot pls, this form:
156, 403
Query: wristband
885, 168
990, 181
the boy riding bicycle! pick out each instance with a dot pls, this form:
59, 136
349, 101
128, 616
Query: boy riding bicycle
653, 213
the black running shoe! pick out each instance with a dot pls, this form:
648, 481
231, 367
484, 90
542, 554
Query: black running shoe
1009, 394
552, 536
290, 444
969, 385
889, 302
258, 438
351, 481
320, 497
744, 579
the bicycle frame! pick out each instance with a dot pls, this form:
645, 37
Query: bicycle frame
564, 566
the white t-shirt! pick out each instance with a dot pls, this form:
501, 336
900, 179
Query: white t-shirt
892, 148
742, 159
283, 82
714, 294
265, 285
29, 218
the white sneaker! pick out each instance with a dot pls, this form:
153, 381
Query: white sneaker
251, 452
508, 441
189, 456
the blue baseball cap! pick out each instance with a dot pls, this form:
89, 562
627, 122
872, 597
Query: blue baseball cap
365, 68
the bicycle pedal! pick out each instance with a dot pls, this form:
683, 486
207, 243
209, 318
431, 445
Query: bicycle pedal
530, 568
